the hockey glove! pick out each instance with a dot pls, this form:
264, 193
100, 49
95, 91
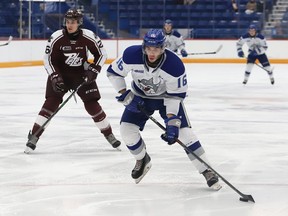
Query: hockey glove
184, 53
130, 101
91, 72
241, 54
57, 82
252, 54
172, 130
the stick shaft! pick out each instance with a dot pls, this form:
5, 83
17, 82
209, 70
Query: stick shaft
197, 157
58, 109
262, 67
207, 53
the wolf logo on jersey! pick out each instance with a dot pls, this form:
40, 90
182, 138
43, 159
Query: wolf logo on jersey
148, 86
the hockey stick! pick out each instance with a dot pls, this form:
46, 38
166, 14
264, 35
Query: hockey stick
9, 40
264, 68
58, 109
261, 66
244, 197
207, 53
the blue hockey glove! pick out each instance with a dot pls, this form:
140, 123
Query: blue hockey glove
252, 54
184, 53
57, 83
130, 101
172, 130
241, 54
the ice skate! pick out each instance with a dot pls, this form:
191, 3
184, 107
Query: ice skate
272, 80
245, 81
31, 143
113, 141
212, 179
141, 168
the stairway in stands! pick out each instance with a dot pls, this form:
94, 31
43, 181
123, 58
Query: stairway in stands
276, 16
89, 12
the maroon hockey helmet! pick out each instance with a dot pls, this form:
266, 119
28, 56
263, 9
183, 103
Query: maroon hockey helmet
74, 13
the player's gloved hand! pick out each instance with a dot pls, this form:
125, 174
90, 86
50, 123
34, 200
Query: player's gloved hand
241, 54
57, 82
130, 101
184, 53
172, 129
91, 72
252, 54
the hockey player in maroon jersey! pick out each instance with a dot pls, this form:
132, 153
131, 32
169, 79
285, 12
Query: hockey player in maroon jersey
66, 62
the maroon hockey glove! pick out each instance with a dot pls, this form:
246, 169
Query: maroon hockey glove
91, 72
57, 83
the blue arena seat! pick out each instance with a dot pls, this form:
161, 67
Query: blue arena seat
202, 14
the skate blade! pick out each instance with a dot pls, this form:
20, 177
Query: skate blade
146, 169
118, 148
28, 150
216, 186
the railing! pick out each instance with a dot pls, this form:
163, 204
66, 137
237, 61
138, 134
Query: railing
211, 19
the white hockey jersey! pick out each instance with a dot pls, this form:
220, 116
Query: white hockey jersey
167, 81
257, 43
174, 41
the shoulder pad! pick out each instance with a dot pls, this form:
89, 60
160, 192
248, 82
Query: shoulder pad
173, 64
176, 33
133, 55
260, 36
246, 35
88, 32
55, 35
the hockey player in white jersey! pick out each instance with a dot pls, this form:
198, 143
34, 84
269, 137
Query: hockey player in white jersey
174, 40
159, 84
257, 46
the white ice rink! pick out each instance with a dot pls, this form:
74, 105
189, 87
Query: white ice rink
74, 171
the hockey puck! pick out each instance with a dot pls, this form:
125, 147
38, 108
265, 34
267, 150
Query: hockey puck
243, 199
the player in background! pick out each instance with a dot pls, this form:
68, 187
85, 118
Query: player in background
66, 62
257, 47
174, 40
159, 84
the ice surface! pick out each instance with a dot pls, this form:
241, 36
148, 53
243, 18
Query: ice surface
74, 171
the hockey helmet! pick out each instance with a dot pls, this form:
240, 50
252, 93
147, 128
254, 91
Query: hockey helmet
73, 13
168, 21
168, 25
154, 37
252, 26
252, 30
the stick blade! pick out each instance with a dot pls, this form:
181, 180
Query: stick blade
10, 38
246, 198
219, 48
8, 41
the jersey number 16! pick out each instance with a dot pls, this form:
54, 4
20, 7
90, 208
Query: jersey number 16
182, 81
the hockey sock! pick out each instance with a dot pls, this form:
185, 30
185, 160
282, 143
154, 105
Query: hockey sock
99, 117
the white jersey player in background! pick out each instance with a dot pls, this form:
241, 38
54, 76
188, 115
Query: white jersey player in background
159, 84
257, 46
174, 40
